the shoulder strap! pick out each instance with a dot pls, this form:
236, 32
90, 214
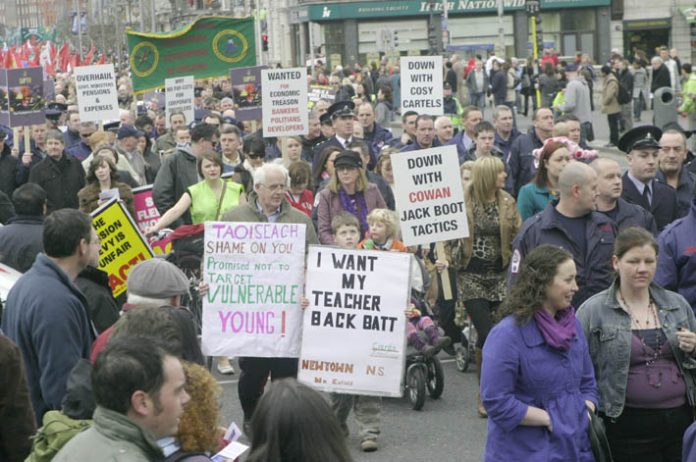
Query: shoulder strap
222, 197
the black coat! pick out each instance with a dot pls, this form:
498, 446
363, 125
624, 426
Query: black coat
60, 179
664, 201
20, 241
103, 308
8, 164
660, 78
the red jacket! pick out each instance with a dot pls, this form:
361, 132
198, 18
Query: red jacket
305, 204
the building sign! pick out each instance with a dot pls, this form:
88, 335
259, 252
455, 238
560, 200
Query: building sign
337, 11
647, 24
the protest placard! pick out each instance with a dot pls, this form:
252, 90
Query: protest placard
354, 330
97, 99
246, 85
319, 92
284, 102
179, 97
122, 245
255, 272
421, 84
146, 215
429, 195
22, 101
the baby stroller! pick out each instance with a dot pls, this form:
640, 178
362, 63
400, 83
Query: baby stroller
423, 373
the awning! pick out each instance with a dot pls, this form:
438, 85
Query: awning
689, 13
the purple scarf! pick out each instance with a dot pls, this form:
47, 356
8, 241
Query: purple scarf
350, 207
558, 331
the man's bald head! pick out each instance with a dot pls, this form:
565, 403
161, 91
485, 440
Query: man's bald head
574, 174
444, 129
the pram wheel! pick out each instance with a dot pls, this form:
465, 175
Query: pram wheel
461, 359
416, 383
436, 378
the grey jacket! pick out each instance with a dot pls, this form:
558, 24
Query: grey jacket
577, 99
608, 330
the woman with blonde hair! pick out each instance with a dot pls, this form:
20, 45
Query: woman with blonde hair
481, 259
348, 191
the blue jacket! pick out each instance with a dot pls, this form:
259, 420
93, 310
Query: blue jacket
532, 199
608, 330
377, 139
520, 370
689, 443
685, 189
79, 151
506, 145
594, 272
46, 316
417, 147
521, 159
634, 215
676, 262
463, 145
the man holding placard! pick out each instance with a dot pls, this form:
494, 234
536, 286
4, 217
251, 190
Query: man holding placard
267, 204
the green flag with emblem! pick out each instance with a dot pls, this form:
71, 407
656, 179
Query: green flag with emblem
208, 47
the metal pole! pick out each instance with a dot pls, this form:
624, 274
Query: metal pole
501, 28
535, 50
445, 28
142, 16
119, 33
153, 17
101, 25
79, 28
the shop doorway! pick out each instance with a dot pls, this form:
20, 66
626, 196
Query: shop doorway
646, 40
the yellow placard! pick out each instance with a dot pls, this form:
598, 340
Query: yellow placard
122, 245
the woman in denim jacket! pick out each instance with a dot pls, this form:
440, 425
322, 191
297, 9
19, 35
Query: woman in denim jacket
642, 342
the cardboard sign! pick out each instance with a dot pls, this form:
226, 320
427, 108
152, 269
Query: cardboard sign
429, 195
354, 330
97, 99
22, 99
284, 102
319, 92
122, 245
179, 97
246, 86
255, 272
146, 215
421, 84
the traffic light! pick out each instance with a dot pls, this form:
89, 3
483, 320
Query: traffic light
395, 39
264, 42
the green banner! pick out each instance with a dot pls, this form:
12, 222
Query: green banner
208, 47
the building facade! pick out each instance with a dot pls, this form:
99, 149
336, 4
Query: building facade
361, 31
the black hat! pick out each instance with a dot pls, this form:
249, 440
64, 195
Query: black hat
111, 126
341, 109
53, 114
128, 130
348, 159
643, 137
57, 107
325, 119
198, 92
447, 86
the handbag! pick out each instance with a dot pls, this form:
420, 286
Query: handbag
598, 439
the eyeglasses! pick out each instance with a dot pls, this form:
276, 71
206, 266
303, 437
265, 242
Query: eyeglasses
256, 156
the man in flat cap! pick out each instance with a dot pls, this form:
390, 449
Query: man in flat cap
639, 186
342, 119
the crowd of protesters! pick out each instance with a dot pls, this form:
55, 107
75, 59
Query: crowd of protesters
554, 229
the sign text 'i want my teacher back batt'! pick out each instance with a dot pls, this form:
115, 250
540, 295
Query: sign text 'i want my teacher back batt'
429, 195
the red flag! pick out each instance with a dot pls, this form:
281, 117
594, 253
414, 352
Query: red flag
89, 56
36, 62
102, 60
10, 60
64, 56
74, 60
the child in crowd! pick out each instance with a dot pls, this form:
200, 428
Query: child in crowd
422, 333
368, 409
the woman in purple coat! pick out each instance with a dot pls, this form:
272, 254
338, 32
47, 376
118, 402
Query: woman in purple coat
348, 191
537, 382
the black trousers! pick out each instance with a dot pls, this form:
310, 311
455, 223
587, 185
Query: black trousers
254, 375
613, 120
648, 435
481, 312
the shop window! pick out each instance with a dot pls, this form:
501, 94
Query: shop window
578, 20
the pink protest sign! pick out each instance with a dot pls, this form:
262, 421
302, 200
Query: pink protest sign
146, 215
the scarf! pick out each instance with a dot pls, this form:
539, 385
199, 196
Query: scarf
350, 207
558, 331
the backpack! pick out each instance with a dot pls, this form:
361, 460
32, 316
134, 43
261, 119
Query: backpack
57, 430
624, 96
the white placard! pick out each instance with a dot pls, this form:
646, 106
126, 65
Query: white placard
429, 195
354, 330
421, 84
178, 97
284, 97
255, 272
97, 98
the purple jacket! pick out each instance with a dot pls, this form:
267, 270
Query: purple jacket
329, 205
520, 370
